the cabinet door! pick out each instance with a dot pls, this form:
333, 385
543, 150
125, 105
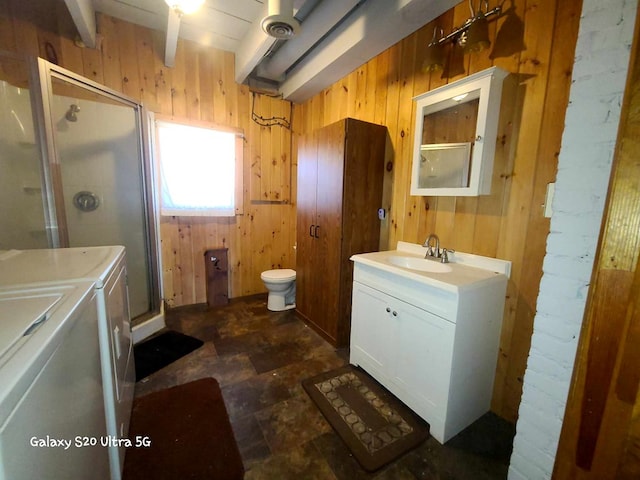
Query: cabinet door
329, 221
306, 220
371, 331
422, 366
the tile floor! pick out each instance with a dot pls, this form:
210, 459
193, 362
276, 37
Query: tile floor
260, 357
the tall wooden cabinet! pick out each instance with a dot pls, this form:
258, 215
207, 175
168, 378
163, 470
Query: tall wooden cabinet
340, 173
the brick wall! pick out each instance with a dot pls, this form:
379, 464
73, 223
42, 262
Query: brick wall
588, 144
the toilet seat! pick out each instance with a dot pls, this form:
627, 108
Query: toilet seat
282, 275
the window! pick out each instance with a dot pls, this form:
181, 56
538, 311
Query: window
200, 169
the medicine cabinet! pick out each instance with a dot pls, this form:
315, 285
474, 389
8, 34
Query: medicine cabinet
455, 136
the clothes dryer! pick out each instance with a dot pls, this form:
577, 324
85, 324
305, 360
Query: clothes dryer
52, 411
106, 268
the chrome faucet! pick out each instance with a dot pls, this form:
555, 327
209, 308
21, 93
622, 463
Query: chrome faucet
432, 251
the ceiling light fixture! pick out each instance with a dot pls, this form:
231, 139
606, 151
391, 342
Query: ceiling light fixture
184, 7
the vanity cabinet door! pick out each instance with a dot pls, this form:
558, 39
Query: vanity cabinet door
371, 331
405, 348
422, 365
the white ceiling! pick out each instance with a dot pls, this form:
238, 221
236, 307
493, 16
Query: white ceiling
336, 36
219, 23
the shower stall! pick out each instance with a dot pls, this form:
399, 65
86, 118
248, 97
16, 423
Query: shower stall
75, 171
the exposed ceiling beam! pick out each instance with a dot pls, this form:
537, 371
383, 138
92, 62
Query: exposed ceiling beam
171, 43
374, 27
84, 17
252, 48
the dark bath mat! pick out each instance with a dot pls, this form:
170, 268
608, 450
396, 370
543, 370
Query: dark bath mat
374, 424
188, 433
160, 351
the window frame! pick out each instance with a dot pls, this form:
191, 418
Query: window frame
239, 158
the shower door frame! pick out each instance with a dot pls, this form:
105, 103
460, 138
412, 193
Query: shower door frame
42, 75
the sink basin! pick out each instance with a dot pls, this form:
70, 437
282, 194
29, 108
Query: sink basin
419, 264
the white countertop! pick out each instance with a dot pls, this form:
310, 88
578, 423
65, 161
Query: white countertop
467, 270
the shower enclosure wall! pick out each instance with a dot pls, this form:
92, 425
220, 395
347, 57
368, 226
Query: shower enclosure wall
74, 171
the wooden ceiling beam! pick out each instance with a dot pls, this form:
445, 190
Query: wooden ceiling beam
171, 44
84, 17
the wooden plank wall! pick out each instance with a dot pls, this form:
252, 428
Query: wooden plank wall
200, 87
535, 41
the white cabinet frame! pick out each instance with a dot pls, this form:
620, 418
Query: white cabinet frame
486, 86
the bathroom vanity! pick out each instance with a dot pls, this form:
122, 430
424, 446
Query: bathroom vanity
430, 331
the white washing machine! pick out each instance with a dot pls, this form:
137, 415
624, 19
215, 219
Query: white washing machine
106, 268
51, 395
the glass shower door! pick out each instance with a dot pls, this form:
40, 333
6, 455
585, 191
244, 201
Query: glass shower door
99, 176
22, 213
98, 146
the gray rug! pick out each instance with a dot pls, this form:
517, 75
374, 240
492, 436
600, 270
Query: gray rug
374, 424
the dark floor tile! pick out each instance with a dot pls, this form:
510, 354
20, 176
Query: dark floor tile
282, 318
288, 424
342, 462
301, 462
260, 357
251, 442
254, 394
247, 344
235, 323
490, 436
395, 471
227, 370
155, 382
445, 462
277, 356
316, 361
296, 331
200, 330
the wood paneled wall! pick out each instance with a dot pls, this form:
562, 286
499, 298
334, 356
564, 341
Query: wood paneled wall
200, 87
535, 41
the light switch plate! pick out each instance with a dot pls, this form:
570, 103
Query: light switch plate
551, 188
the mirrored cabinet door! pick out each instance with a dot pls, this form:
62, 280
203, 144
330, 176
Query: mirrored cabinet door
455, 135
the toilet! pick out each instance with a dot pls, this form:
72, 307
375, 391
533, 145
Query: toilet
281, 284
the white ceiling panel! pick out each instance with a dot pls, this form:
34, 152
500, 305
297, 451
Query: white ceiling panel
329, 46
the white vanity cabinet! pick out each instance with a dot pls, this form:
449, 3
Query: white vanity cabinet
432, 343
379, 321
